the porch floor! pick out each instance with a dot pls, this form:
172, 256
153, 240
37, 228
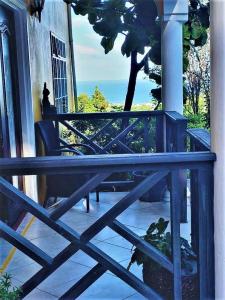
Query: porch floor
137, 217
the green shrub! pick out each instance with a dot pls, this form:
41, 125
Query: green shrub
7, 292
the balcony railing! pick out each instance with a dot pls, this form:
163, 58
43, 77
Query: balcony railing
175, 166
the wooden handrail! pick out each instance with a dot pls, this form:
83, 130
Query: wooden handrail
93, 163
102, 115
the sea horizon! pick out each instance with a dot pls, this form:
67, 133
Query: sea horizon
115, 90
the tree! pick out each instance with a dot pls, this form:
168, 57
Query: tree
84, 103
98, 101
197, 79
136, 20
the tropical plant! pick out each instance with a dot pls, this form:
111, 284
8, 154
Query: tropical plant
7, 292
157, 236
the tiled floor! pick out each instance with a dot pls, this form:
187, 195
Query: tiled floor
108, 287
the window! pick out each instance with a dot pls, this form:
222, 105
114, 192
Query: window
58, 49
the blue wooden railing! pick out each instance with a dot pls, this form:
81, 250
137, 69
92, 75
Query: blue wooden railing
175, 166
101, 167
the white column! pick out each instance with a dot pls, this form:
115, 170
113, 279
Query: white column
173, 14
172, 66
217, 11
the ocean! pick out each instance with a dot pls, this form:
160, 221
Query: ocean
115, 90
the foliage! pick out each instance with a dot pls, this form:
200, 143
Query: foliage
100, 104
7, 292
157, 236
97, 103
196, 120
136, 20
197, 81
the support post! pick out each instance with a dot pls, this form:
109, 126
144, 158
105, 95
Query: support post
173, 14
217, 22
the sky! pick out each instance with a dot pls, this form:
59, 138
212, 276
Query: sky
91, 62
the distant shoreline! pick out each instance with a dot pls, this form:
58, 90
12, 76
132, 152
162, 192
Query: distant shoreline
115, 90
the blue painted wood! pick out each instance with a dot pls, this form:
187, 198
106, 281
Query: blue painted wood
83, 136
119, 271
45, 272
200, 139
103, 115
123, 204
24, 245
206, 233
120, 136
175, 204
99, 163
103, 129
78, 288
176, 126
80, 193
160, 134
142, 245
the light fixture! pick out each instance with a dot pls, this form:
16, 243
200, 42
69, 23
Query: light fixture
35, 7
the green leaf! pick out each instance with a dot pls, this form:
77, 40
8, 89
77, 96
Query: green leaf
196, 30
155, 54
156, 77
157, 93
186, 32
162, 225
108, 43
92, 18
202, 40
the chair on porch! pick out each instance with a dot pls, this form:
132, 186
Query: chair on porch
60, 185
65, 185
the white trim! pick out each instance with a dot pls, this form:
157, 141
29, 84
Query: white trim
24, 82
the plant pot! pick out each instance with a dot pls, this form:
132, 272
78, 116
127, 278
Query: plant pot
156, 193
161, 281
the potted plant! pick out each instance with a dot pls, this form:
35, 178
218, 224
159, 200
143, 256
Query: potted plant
7, 292
155, 275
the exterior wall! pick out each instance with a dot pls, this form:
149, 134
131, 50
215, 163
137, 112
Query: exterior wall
54, 19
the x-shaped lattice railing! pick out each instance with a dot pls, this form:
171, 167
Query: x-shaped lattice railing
200, 166
135, 127
82, 242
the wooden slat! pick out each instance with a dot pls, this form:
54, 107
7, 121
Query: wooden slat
123, 204
142, 245
200, 137
124, 147
120, 136
102, 115
83, 136
78, 288
103, 129
80, 193
175, 232
206, 234
10, 192
24, 245
45, 272
119, 271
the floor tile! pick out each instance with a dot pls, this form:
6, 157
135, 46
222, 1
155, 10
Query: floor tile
107, 287
137, 218
67, 272
40, 295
